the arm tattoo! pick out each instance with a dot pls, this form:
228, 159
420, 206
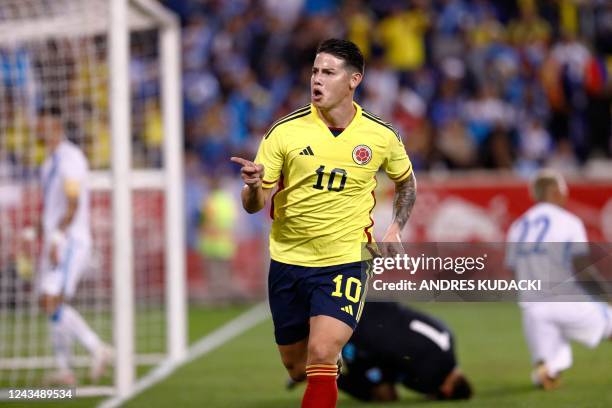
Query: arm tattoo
405, 197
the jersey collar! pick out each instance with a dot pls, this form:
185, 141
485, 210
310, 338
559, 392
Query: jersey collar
347, 129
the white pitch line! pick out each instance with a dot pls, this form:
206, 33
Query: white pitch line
205, 345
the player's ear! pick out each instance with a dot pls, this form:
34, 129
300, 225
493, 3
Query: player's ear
355, 80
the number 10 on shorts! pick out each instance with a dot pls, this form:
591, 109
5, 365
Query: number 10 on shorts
352, 288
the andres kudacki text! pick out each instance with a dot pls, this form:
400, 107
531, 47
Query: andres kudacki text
459, 285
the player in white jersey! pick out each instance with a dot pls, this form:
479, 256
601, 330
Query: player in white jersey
550, 243
66, 244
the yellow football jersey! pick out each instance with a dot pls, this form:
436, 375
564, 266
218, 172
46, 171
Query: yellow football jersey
321, 210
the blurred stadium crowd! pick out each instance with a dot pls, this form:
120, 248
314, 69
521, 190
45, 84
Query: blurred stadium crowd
468, 83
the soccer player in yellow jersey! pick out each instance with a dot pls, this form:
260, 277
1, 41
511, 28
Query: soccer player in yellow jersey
324, 158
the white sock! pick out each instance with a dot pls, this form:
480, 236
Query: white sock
61, 340
80, 330
560, 361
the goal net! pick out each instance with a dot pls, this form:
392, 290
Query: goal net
58, 53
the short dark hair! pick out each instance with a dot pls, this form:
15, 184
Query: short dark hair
462, 389
343, 49
543, 181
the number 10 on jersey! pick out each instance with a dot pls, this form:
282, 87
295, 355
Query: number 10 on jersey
332, 177
352, 288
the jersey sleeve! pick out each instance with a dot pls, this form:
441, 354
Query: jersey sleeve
271, 155
511, 245
74, 168
397, 165
579, 240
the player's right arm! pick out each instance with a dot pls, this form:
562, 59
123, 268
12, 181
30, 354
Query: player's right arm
269, 162
254, 196
585, 269
589, 275
511, 244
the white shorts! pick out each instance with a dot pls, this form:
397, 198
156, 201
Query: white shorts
64, 278
549, 328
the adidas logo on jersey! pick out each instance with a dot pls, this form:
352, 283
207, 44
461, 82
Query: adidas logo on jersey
348, 309
307, 152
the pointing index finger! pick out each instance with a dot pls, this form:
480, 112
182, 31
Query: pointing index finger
243, 162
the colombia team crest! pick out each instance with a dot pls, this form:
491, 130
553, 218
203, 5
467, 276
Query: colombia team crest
362, 154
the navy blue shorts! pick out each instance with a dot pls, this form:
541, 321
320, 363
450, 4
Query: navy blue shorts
296, 293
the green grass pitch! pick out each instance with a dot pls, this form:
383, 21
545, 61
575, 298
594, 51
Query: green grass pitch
246, 372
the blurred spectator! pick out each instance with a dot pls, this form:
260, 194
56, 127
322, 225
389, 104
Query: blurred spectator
209, 136
197, 41
487, 113
453, 18
529, 29
497, 151
287, 12
447, 39
359, 23
599, 113
563, 158
402, 35
448, 105
420, 145
456, 146
216, 241
534, 146
602, 27
381, 87
535, 142
17, 76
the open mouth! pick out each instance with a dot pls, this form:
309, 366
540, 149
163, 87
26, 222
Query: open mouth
317, 94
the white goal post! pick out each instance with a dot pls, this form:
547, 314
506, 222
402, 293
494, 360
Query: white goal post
84, 25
